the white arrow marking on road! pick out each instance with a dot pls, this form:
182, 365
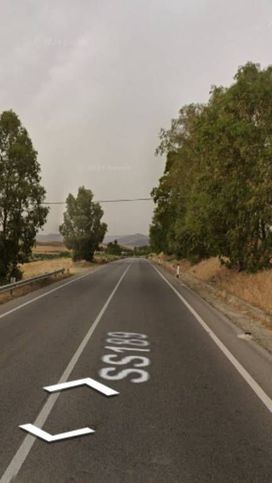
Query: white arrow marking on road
50, 438
88, 381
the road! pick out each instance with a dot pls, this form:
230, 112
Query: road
193, 403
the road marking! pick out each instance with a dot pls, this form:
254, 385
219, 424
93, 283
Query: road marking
23, 451
88, 381
266, 400
126, 349
47, 293
51, 438
120, 338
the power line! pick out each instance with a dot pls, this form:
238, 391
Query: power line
101, 201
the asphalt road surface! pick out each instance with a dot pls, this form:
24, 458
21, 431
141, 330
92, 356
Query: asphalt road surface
191, 400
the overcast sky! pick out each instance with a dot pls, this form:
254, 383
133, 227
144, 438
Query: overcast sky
93, 81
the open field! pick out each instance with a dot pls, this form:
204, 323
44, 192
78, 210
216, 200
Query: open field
53, 247
50, 257
40, 267
256, 289
57, 258
28, 273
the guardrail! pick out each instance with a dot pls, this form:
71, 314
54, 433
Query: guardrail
11, 286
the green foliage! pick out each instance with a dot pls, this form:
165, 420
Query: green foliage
21, 196
215, 197
50, 256
82, 228
127, 252
142, 251
113, 248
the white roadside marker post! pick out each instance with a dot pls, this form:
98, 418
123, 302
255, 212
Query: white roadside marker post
177, 271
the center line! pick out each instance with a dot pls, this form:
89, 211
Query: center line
23, 451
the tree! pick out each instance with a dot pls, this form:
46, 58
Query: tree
161, 229
82, 228
215, 197
113, 248
142, 251
236, 170
22, 212
168, 232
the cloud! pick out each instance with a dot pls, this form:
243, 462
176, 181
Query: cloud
94, 82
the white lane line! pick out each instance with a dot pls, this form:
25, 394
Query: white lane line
23, 451
51, 438
88, 381
18, 307
266, 400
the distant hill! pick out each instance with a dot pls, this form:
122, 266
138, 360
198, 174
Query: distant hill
136, 240
51, 237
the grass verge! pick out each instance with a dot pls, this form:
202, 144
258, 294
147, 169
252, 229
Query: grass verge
255, 289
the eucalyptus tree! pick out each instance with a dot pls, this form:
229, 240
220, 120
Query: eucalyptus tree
22, 212
82, 227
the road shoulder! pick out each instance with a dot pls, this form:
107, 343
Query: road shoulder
253, 322
225, 322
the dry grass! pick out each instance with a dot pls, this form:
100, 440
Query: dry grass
42, 266
208, 270
253, 288
54, 247
33, 269
256, 289
6, 297
37, 268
